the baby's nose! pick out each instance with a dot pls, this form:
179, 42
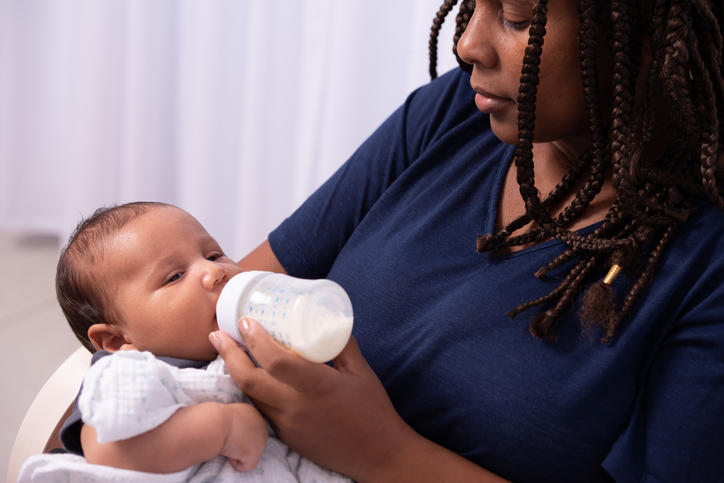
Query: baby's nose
214, 275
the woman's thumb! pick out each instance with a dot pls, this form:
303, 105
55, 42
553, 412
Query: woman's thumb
222, 342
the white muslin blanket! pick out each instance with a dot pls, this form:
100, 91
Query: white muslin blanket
129, 392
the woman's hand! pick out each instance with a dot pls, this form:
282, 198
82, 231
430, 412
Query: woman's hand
339, 417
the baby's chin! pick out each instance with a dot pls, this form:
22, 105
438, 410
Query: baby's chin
202, 355
205, 356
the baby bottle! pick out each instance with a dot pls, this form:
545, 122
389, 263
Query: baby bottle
312, 317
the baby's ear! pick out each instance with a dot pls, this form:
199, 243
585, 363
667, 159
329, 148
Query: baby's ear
106, 337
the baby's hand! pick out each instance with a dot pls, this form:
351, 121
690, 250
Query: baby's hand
246, 439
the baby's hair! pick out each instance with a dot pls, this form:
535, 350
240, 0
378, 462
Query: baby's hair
654, 199
82, 293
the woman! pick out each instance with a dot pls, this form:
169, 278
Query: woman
582, 142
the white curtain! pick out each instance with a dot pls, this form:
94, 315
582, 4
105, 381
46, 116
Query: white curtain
235, 110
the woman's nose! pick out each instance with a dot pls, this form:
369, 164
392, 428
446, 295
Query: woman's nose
476, 45
213, 274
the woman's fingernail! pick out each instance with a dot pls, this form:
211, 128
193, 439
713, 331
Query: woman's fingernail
244, 326
215, 341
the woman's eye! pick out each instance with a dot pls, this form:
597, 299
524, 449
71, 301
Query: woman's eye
515, 25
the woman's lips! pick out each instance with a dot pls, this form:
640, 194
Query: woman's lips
489, 103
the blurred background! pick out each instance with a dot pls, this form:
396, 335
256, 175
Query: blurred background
235, 110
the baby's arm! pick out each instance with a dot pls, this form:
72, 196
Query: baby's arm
193, 434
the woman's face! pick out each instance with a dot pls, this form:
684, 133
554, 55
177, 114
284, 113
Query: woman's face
494, 44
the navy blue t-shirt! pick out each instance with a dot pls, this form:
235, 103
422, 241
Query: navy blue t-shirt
396, 226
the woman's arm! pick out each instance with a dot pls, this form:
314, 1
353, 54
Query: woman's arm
193, 434
261, 258
339, 417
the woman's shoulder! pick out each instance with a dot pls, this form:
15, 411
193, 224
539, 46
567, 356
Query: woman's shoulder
693, 265
455, 80
448, 96
705, 223
442, 108
699, 241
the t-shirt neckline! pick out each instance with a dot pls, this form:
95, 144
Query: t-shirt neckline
494, 202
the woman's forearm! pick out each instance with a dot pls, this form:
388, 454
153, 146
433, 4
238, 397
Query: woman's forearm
191, 436
261, 258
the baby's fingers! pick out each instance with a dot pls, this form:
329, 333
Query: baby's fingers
238, 464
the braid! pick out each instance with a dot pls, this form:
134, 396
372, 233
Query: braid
713, 42
643, 280
526, 118
574, 273
524, 154
710, 129
654, 197
492, 242
610, 225
435, 32
461, 23
622, 103
543, 323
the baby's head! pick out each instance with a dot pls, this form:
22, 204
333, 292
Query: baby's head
145, 276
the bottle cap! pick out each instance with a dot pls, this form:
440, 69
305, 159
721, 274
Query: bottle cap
227, 306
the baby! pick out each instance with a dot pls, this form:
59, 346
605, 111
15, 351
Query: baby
138, 284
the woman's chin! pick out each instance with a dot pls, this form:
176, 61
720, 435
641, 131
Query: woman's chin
504, 132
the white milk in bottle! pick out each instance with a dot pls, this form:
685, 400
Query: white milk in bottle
312, 317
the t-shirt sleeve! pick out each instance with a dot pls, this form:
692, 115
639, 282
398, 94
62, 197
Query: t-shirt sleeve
70, 432
308, 242
676, 432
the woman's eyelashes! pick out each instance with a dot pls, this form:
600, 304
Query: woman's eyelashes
515, 19
515, 25
516, 15
511, 24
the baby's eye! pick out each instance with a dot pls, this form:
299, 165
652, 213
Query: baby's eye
174, 277
215, 256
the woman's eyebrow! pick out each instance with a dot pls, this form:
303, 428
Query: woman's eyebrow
527, 4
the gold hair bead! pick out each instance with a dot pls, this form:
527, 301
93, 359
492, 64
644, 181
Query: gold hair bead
612, 274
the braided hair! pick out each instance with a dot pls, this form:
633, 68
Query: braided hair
653, 199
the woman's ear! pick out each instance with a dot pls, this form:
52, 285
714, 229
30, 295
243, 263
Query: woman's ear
106, 337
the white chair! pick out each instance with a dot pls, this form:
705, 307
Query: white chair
48, 411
